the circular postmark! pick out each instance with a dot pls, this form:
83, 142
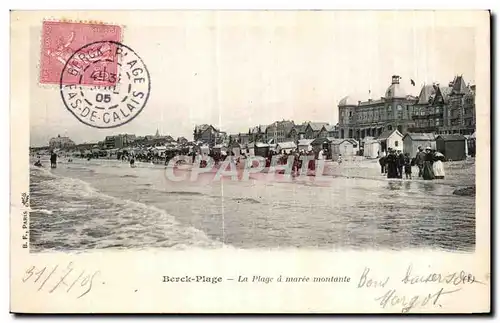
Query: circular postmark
105, 84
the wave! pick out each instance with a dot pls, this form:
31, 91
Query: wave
43, 211
128, 175
245, 199
185, 193
106, 219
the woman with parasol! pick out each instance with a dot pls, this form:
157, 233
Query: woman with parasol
438, 167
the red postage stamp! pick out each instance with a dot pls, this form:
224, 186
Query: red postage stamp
61, 44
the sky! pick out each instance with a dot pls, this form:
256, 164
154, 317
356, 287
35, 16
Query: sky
239, 69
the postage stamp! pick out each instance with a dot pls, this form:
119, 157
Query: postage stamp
61, 39
121, 84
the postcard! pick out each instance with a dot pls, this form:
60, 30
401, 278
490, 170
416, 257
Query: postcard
250, 161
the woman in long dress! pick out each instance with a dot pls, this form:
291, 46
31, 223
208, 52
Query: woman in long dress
428, 173
438, 167
391, 164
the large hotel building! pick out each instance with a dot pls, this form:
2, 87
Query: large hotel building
437, 109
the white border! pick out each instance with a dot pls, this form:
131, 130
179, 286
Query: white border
185, 4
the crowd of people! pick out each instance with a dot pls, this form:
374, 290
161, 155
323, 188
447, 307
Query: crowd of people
282, 158
429, 163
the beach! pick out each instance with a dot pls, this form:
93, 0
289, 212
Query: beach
106, 204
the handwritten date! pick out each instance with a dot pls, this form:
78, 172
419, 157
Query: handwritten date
61, 278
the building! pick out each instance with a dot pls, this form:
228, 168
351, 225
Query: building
453, 146
332, 131
258, 134
411, 142
61, 142
314, 129
279, 131
297, 132
207, 134
391, 139
446, 109
182, 141
359, 119
118, 141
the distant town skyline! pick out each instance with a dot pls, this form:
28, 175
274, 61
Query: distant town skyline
238, 74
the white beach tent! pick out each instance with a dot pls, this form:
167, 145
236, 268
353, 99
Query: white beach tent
286, 147
305, 144
371, 148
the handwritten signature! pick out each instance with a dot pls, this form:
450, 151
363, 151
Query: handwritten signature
392, 298
60, 278
442, 283
454, 278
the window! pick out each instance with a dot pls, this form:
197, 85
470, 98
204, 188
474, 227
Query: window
350, 113
437, 109
437, 122
396, 143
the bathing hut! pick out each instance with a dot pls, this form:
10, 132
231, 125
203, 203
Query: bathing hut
451, 146
261, 149
372, 148
344, 147
286, 147
305, 144
411, 142
235, 148
391, 139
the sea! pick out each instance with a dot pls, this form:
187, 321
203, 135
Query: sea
93, 204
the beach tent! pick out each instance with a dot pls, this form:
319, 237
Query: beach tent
451, 146
261, 149
411, 142
236, 148
345, 147
305, 144
391, 139
219, 148
372, 148
286, 147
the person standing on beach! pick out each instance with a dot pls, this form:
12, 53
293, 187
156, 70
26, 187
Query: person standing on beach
400, 163
407, 165
437, 166
382, 164
53, 160
427, 172
419, 161
391, 162
321, 155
